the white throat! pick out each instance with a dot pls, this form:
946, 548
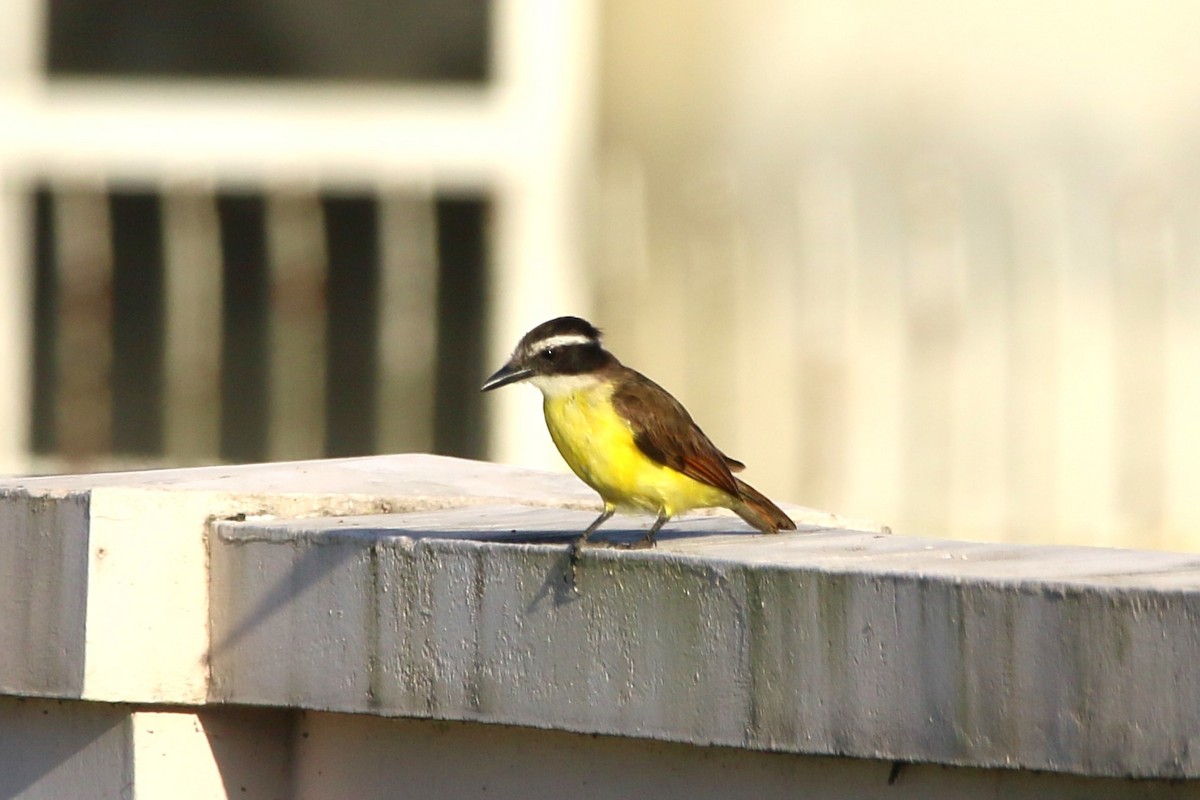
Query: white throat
559, 385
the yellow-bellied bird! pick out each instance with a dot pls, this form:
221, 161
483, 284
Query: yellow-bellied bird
625, 436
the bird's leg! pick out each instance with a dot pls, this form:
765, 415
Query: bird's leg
647, 539
578, 544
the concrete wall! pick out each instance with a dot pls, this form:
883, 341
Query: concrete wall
370, 757
407, 626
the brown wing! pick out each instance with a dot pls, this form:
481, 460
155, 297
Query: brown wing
665, 432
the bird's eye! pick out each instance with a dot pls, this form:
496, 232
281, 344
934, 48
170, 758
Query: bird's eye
547, 354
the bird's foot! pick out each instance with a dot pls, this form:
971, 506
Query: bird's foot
640, 544
573, 553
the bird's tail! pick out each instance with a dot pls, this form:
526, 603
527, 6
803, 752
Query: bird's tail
759, 512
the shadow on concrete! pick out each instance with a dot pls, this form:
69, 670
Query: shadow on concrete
252, 748
310, 568
49, 748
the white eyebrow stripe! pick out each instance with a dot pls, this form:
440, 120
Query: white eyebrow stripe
562, 340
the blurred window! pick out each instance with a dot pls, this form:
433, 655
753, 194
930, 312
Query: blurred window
113, 311
360, 40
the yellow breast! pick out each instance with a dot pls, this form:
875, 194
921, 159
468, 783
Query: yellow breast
598, 446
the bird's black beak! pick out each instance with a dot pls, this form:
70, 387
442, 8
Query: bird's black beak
509, 373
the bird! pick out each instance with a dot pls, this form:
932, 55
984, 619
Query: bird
625, 436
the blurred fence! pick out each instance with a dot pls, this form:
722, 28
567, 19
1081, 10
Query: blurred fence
991, 350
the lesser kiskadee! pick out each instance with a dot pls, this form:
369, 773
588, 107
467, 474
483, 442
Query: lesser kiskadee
625, 436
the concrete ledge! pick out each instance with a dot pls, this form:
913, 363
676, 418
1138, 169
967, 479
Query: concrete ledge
826, 642
104, 578
435, 588
104, 581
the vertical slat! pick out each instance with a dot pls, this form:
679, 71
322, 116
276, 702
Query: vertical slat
193, 286
408, 304
711, 287
1085, 474
875, 401
21, 41
544, 72
622, 269
977, 505
296, 350
21, 44
933, 305
83, 270
16, 313
623, 275
759, 378
1038, 210
827, 271
1143, 256
1181, 421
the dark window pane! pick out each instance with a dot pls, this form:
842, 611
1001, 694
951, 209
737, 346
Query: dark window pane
458, 414
352, 242
44, 327
137, 373
372, 40
244, 349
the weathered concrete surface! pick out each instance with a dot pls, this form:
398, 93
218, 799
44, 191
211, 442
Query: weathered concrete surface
427, 587
828, 642
50, 752
374, 758
43, 594
104, 578
62, 750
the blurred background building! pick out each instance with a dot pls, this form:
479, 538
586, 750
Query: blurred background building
931, 263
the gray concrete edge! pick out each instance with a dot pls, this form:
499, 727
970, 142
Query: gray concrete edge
809, 656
